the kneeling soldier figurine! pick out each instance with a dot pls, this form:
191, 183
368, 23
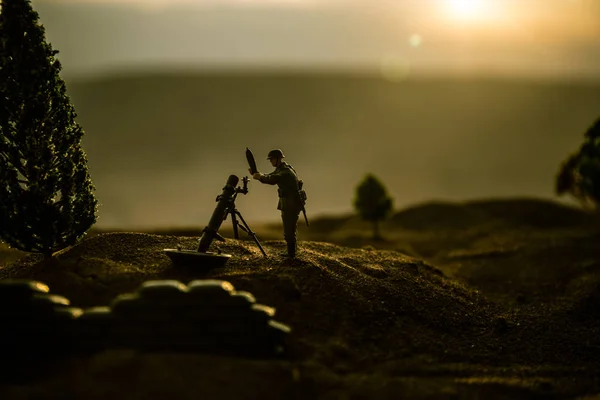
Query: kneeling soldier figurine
290, 198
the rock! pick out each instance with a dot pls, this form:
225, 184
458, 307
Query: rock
162, 290
220, 302
49, 300
38, 324
93, 314
208, 316
209, 293
67, 313
242, 298
134, 307
126, 304
209, 287
279, 327
94, 330
269, 312
41, 306
13, 290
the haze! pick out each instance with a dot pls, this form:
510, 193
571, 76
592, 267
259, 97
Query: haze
551, 38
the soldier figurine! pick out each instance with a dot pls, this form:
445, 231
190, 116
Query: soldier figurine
290, 202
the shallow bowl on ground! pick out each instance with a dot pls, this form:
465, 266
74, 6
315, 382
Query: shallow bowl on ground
193, 258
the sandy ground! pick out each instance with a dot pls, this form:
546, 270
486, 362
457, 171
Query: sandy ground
481, 300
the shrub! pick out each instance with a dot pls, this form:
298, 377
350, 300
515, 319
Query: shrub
579, 174
372, 202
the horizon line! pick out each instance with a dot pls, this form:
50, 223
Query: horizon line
127, 71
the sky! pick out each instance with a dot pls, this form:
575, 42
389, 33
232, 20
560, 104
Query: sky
547, 38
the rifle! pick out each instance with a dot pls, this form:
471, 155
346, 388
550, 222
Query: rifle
303, 198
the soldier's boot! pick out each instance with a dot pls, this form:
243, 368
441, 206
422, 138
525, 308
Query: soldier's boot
290, 220
291, 251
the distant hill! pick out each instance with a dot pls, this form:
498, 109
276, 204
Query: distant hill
442, 230
161, 146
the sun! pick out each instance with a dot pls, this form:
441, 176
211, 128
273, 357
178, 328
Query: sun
468, 10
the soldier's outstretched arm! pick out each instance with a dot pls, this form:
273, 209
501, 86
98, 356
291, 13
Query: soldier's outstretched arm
269, 179
260, 177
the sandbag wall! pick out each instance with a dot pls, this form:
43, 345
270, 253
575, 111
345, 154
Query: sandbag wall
204, 316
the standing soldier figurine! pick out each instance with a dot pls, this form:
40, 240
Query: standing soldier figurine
291, 196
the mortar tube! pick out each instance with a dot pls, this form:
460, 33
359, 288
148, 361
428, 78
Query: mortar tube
224, 201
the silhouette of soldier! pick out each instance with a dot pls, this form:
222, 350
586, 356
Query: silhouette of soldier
290, 203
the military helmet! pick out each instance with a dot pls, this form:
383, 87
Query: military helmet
275, 153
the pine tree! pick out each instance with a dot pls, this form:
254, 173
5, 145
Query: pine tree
372, 202
46, 194
579, 175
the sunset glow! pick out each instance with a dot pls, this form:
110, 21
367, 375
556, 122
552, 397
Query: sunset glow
466, 8
399, 38
471, 10
163, 4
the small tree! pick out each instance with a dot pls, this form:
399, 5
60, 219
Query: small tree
579, 174
46, 195
372, 202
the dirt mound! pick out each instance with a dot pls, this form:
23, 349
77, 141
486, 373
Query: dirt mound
8, 255
326, 225
442, 232
371, 304
449, 216
584, 289
523, 212
353, 297
531, 212
437, 215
